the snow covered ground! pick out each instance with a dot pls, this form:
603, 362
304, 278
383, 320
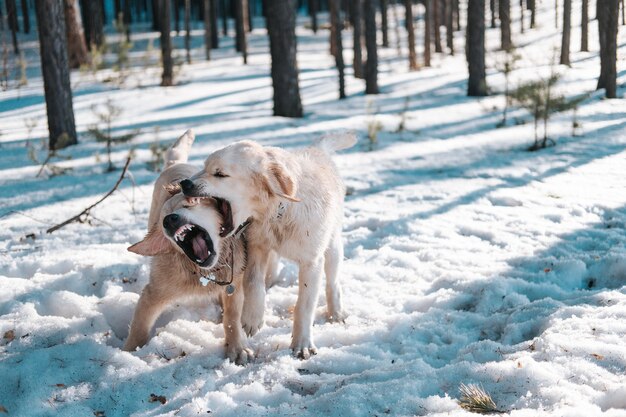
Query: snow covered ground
468, 259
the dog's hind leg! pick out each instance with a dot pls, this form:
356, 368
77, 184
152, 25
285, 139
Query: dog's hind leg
332, 262
178, 153
237, 349
309, 280
150, 306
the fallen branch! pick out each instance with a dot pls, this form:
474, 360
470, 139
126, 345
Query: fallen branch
85, 212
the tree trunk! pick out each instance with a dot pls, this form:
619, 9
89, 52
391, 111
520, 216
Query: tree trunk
457, 14
384, 21
93, 18
504, 11
532, 5
607, 12
224, 17
76, 46
167, 79
556, 14
13, 24
521, 15
567, 24
177, 16
281, 27
188, 30
623, 12
475, 50
337, 25
26, 16
215, 41
313, 12
250, 16
241, 26
437, 24
357, 33
127, 18
450, 26
428, 4
408, 15
156, 17
56, 73
371, 65
584, 27
492, 8
207, 29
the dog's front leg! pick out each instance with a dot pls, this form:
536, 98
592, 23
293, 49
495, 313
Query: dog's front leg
237, 349
151, 303
309, 278
254, 291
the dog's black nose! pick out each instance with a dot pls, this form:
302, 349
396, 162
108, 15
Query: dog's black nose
186, 185
170, 221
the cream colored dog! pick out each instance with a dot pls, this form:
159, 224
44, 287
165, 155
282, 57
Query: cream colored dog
186, 246
295, 203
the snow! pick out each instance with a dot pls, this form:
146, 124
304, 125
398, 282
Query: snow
467, 258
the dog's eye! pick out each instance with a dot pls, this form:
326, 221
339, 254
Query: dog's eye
220, 174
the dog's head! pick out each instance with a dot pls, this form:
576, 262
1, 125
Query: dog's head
188, 225
244, 178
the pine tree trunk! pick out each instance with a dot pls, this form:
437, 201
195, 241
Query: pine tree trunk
26, 16
313, 12
127, 18
450, 26
215, 41
337, 25
607, 12
533, 11
13, 24
357, 33
504, 11
281, 27
521, 15
408, 15
56, 72
250, 16
556, 14
475, 50
156, 17
371, 65
188, 30
623, 12
167, 79
492, 8
565, 39
437, 24
177, 16
93, 19
207, 29
76, 46
384, 21
428, 4
241, 26
584, 27
457, 14
224, 17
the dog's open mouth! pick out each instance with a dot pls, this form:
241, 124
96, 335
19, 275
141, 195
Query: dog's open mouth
223, 206
195, 242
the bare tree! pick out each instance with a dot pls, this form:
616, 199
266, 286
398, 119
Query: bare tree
384, 22
371, 65
584, 26
167, 79
567, 25
475, 50
357, 33
337, 24
504, 11
408, 15
241, 26
76, 46
607, 12
56, 72
281, 27
428, 5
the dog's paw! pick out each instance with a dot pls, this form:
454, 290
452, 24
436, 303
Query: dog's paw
240, 354
251, 319
304, 350
339, 316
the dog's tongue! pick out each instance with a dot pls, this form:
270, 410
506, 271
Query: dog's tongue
199, 248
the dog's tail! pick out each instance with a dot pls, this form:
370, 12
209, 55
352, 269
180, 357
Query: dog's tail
178, 153
336, 141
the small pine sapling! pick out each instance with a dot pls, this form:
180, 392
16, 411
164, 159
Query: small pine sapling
158, 152
46, 166
506, 67
539, 98
122, 49
106, 114
374, 126
403, 117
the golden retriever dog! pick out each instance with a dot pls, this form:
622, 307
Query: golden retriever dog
190, 258
293, 202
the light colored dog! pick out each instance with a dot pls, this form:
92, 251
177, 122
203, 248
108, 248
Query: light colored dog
295, 203
186, 246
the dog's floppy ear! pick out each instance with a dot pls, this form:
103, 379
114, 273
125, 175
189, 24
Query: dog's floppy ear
281, 182
153, 244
